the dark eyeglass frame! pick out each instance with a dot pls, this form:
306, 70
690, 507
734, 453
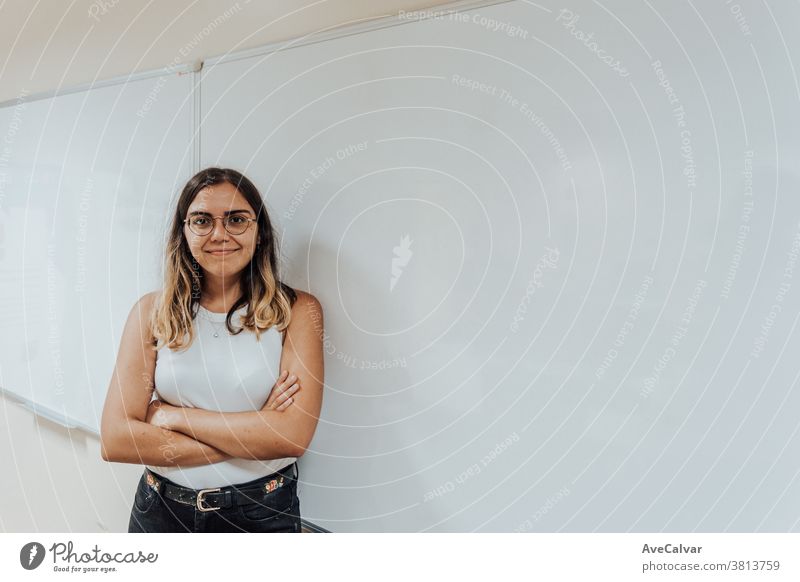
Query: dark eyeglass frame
188, 222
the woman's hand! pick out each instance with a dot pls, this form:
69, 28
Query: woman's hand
281, 396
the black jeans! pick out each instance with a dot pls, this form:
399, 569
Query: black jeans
278, 511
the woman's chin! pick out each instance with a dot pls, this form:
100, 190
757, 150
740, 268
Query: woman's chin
220, 272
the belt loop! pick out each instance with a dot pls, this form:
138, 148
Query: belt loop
296, 471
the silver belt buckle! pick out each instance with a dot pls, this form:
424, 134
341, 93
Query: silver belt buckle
199, 502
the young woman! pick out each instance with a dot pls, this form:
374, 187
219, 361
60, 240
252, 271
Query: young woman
217, 387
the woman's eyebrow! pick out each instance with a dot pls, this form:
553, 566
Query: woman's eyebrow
226, 213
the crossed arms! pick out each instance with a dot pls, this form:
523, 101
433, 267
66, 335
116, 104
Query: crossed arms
135, 431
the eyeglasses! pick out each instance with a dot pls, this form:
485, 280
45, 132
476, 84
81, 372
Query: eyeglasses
202, 224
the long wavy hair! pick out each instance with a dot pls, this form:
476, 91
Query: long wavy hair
269, 301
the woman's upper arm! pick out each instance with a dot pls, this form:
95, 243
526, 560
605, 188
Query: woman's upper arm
302, 355
132, 382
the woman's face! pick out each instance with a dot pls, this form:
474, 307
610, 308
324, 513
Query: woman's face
219, 252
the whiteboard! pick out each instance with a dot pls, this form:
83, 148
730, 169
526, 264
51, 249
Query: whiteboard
86, 182
555, 249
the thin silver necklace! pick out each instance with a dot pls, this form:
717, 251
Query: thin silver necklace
213, 323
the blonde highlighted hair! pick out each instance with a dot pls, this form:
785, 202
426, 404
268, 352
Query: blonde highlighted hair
269, 301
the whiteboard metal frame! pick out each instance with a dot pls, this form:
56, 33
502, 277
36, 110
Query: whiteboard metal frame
49, 413
179, 70
341, 31
195, 67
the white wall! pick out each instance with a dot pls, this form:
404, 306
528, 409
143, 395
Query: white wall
56, 480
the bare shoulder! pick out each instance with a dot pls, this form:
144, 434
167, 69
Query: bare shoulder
141, 312
305, 300
148, 301
144, 307
306, 313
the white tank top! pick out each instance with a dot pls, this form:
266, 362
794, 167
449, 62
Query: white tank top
228, 373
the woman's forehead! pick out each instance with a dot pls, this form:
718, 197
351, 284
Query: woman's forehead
219, 197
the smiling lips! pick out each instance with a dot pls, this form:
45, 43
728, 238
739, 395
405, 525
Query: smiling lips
222, 253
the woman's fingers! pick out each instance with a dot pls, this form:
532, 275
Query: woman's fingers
286, 395
277, 388
282, 391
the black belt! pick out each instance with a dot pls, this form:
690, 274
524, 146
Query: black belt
215, 498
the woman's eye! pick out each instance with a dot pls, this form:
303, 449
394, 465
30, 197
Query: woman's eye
237, 219
199, 221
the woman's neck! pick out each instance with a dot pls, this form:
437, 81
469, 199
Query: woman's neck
219, 295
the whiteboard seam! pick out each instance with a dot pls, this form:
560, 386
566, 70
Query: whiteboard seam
196, 119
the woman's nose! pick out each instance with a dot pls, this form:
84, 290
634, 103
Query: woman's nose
219, 232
